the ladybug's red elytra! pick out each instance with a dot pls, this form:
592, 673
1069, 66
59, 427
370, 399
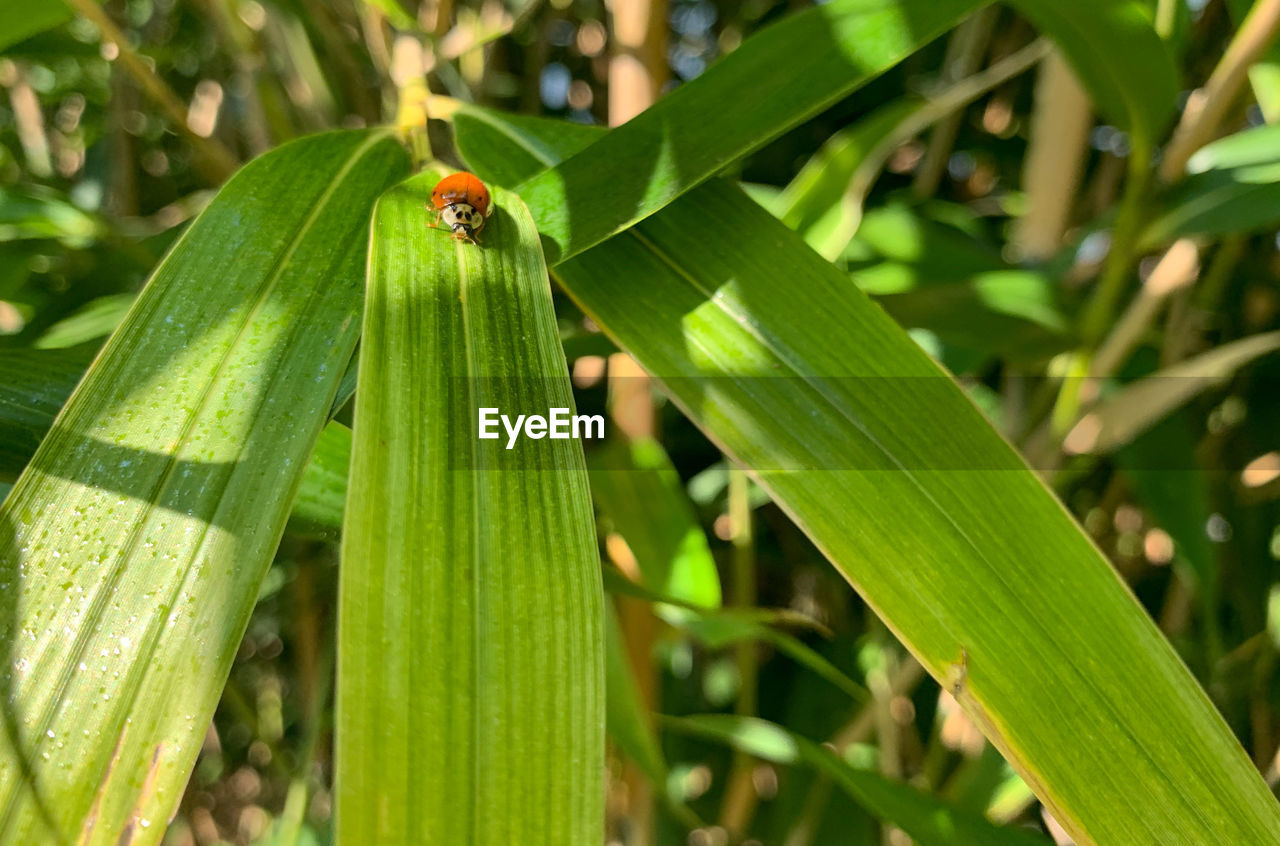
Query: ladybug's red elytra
463, 203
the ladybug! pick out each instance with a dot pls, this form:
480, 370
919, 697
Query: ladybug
462, 202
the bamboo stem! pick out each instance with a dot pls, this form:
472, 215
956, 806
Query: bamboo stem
637, 66
740, 796
1177, 268
1059, 139
1208, 105
214, 159
239, 43
636, 72
1115, 273
964, 53
28, 119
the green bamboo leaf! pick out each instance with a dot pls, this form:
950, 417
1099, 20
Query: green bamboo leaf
1127, 68
628, 723
1218, 202
471, 700
322, 496
1264, 73
718, 631
134, 544
21, 19
38, 213
827, 52
93, 321
1011, 312
936, 277
719, 628
1135, 408
638, 489
892, 472
928, 820
616, 583
35, 384
1257, 146
1233, 186
824, 202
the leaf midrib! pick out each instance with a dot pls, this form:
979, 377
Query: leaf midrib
476, 523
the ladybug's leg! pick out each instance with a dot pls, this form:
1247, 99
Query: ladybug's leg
433, 216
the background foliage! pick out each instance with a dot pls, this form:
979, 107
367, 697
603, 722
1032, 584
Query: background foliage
1024, 229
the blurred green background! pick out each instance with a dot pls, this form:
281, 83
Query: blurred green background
101, 170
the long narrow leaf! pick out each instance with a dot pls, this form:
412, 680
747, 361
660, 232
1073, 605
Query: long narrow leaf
777, 79
1135, 408
1233, 187
484, 723
1112, 44
881, 459
35, 384
21, 19
133, 546
638, 489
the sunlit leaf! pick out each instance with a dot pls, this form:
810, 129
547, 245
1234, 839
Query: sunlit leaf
35, 384
133, 545
485, 725
1233, 187
687, 136
92, 322
886, 465
20, 19
638, 489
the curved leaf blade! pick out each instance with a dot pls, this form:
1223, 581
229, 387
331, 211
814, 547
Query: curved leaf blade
1233, 187
21, 19
827, 52
637, 488
35, 385
879, 457
133, 545
483, 721
1257, 146
1127, 68
1120, 418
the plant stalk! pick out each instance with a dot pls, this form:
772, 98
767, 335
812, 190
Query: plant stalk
215, 161
1208, 105
1051, 173
740, 796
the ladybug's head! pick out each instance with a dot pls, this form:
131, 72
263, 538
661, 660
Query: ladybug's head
462, 218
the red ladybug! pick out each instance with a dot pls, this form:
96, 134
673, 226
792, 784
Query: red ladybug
463, 203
